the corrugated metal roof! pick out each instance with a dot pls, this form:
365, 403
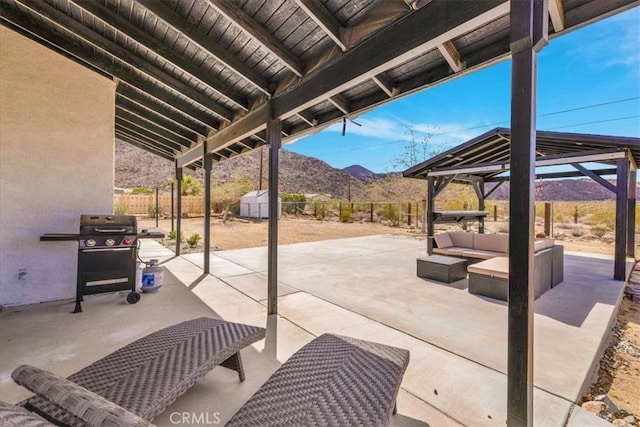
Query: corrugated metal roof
189, 70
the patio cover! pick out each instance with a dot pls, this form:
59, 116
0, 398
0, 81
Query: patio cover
204, 80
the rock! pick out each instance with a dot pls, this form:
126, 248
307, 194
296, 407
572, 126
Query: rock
631, 419
611, 407
595, 407
621, 423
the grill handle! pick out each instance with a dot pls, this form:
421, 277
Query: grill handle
110, 230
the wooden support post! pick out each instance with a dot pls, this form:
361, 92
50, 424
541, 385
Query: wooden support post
274, 138
371, 212
527, 35
157, 212
547, 219
178, 208
430, 206
172, 206
409, 213
622, 196
207, 164
631, 214
495, 213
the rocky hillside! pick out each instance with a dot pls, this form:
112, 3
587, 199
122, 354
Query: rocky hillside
298, 173
564, 190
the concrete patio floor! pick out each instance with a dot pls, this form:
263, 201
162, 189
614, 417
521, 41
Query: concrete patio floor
364, 287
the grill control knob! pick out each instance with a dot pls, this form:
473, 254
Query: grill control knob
90, 242
127, 241
109, 242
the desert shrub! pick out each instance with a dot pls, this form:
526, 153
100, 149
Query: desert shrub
599, 230
346, 215
390, 213
293, 202
578, 231
193, 240
141, 190
120, 209
153, 211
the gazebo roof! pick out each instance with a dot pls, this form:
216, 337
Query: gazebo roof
488, 155
189, 71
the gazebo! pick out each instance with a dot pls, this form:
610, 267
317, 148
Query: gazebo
487, 159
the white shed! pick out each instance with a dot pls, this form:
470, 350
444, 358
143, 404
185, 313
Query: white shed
255, 204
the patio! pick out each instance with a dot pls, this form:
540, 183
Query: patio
363, 287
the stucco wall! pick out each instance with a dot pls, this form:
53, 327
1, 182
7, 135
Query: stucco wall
56, 162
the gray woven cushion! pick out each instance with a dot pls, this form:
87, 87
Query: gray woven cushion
88, 406
15, 416
332, 381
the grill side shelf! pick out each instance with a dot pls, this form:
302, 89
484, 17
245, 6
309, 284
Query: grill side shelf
60, 237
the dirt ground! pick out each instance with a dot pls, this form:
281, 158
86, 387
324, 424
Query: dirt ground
619, 375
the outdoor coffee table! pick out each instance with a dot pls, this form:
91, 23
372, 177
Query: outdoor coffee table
442, 268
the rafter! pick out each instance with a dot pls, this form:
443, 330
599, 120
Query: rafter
340, 103
451, 55
130, 112
143, 38
261, 36
123, 55
556, 13
143, 146
321, 16
171, 108
148, 133
385, 83
206, 43
308, 118
140, 134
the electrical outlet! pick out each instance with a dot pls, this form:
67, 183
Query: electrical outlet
22, 274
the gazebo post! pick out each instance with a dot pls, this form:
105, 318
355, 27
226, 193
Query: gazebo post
207, 160
631, 211
430, 205
622, 205
528, 22
178, 208
478, 187
274, 138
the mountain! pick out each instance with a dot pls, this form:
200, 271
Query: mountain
361, 173
563, 190
298, 174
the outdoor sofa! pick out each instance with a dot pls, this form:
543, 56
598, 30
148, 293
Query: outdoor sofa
333, 380
488, 263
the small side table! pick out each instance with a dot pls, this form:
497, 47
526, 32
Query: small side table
442, 268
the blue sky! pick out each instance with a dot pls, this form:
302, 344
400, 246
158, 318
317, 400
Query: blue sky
598, 64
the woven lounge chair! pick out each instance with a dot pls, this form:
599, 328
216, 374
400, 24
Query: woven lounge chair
332, 381
146, 376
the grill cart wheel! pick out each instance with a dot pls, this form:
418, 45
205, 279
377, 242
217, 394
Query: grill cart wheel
133, 297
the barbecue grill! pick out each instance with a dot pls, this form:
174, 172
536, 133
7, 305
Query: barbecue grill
107, 252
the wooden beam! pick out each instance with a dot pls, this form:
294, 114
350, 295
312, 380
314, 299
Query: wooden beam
452, 56
622, 196
308, 118
166, 121
556, 13
145, 146
327, 23
631, 213
134, 129
340, 103
223, 55
171, 107
274, 135
145, 39
125, 115
132, 110
414, 35
125, 56
430, 216
261, 36
385, 83
597, 178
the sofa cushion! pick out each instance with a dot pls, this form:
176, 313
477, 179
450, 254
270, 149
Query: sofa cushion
443, 240
479, 253
461, 239
494, 267
452, 251
541, 244
491, 242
